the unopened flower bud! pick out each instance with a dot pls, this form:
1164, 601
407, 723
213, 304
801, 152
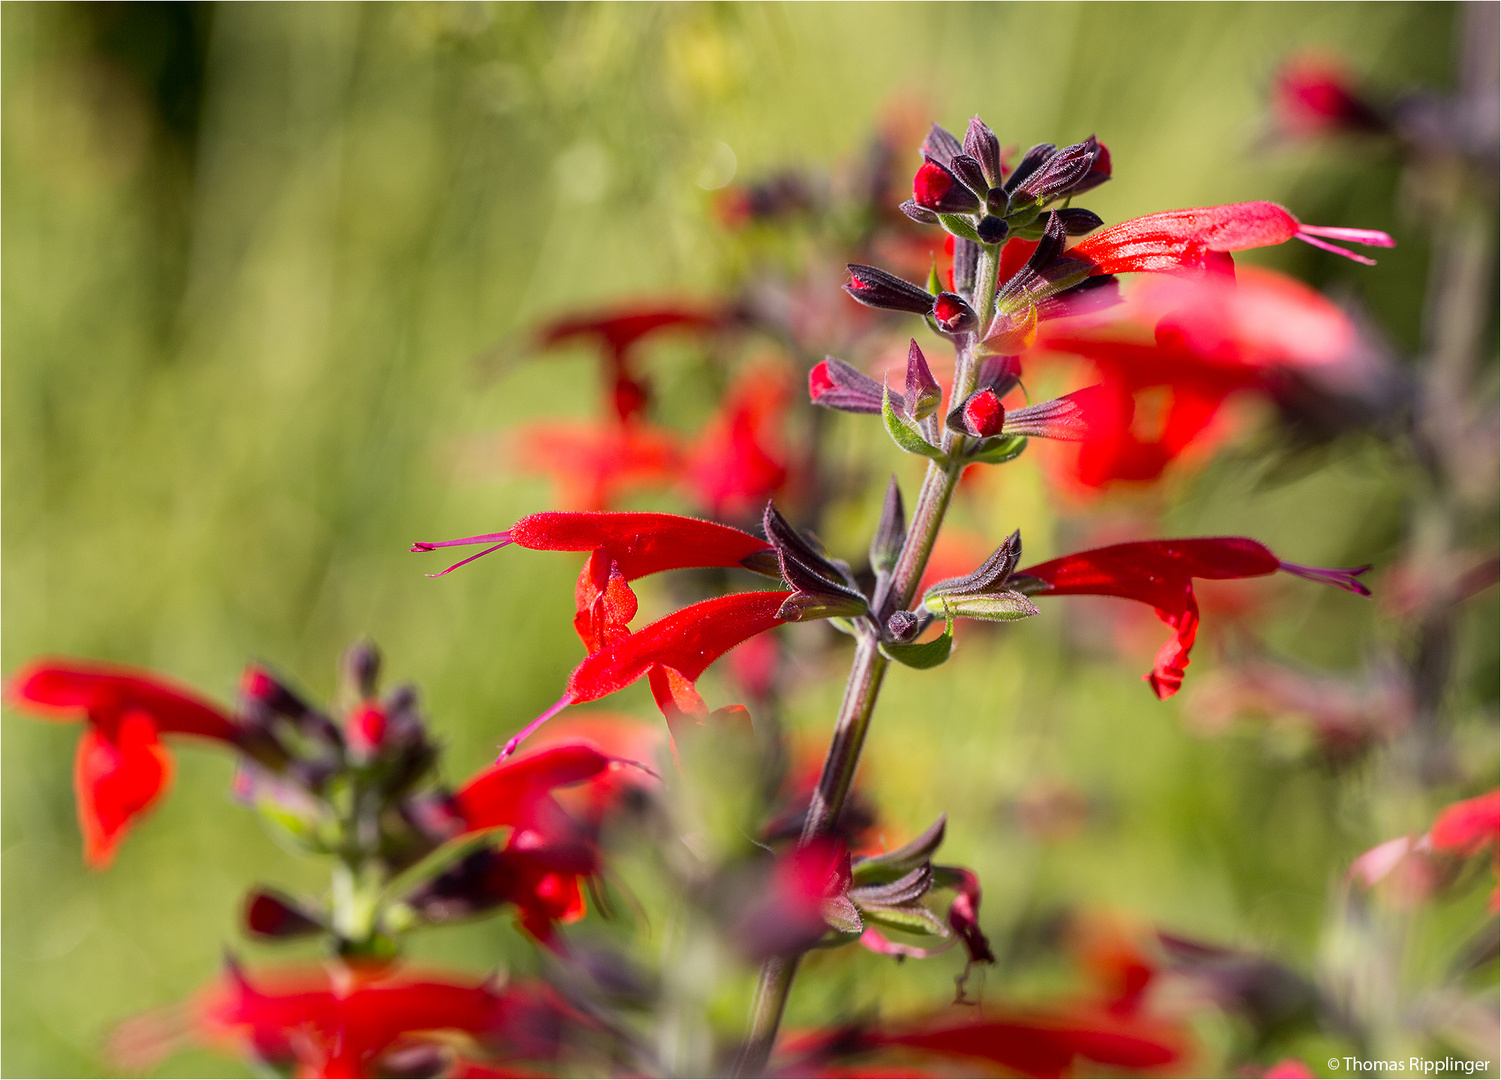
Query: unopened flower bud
904, 626
1077, 221
836, 385
953, 314
979, 416
918, 214
936, 188
992, 229
876, 288
272, 914
891, 532
924, 395
968, 170
981, 144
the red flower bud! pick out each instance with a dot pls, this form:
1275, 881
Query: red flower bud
936, 188
979, 416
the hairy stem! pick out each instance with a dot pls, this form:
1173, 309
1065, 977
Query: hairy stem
863, 686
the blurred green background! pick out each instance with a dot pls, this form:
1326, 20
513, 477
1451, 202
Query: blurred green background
253, 257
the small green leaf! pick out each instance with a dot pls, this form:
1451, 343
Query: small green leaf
998, 451
903, 432
1003, 606
842, 915
959, 226
923, 655
911, 918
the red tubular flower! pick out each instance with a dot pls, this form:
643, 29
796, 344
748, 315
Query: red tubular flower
1161, 573
1264, 333
738, 462
1468, 828
1044, 1044
518, 793
594, 463
121, 768
1315, 97
1199, 239
618, 332
321, 1026
673, 651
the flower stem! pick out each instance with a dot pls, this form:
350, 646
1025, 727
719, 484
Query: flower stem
867, 671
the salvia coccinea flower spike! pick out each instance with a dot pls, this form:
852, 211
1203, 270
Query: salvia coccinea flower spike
891, 531
876, 288
836, 385
640, 543
936, 188
981, 144
1181, 239
1160, 573
924, 395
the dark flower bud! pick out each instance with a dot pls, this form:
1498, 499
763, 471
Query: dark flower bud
803, 547
1098, 172
361, 669
1077, 221
1062, 173
272, 914
918, 213
997, 201
1092, 294
1031, 161
979, 416
993, 230
991, 575
821, 588
1050, 246
905, 626
924, 395
936, 188
891, 532
968, 170
953, 314
876, 288
837, 385
941, 146
981, 144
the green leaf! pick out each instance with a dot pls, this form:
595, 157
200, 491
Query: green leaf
959, 226
911, 918
903, 432
922, 655
998, 451
1003, 606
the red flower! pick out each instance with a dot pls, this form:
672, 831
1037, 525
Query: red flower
344, 1024
738, 462
1313, 96
1161, 573
121, 768
1044, 1044
1264, 333
617, 333
1202, 238
594, 463
1470, 827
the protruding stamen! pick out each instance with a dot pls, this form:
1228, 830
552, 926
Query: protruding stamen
1340, 578
516, 740
1310, 234
497, 540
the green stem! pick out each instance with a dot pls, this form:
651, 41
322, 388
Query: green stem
868, 670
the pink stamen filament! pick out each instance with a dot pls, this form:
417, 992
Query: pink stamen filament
515, 740
497, 540
1324, 245
1339, 578
1368, 237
